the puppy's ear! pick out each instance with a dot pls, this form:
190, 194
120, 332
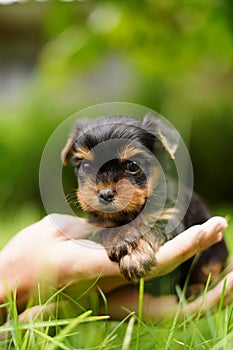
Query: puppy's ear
66, 152
168, 136
68, 149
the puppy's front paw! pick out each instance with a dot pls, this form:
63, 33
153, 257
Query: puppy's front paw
134, 252
120, 249
138, 262
120, 242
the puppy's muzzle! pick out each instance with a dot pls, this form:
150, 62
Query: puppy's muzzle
106, 195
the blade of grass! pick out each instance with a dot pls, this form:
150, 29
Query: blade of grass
26, 340
61, 291
200, 310
220, 307
140, 311
74, 302
52, 323
173, 326
223, 342
89, 288
54, 341
182, 300
13, 315
225, 328
70, 326
104, 299
111, 334
128, 334
230, 324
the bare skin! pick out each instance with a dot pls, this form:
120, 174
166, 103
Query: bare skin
44, 254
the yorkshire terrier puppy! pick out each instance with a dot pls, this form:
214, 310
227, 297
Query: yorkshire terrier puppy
120, 163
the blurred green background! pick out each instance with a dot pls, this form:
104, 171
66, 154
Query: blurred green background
174, 56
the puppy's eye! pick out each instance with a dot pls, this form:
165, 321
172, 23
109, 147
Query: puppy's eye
86, 166
132, 167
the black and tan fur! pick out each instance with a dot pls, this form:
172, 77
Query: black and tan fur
120, 187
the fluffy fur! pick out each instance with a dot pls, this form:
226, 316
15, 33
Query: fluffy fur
121, 187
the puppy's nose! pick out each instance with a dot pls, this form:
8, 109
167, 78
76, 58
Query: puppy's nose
106, 195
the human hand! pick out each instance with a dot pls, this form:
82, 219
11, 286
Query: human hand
55, 255
190, 242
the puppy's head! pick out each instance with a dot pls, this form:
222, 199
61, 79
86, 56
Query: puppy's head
114, 160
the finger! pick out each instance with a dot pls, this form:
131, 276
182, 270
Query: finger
190, 242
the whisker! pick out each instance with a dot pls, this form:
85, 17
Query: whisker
71, 195
71, 199
74, 203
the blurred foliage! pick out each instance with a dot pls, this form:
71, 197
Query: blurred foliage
175, 56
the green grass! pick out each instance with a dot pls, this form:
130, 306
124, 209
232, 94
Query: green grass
87, 331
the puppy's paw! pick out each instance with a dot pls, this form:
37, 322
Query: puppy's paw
118, 250
121, 243
138, 262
